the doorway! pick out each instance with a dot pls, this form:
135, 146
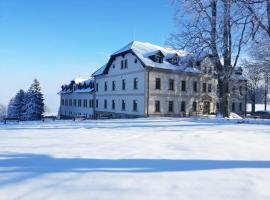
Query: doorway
206, 107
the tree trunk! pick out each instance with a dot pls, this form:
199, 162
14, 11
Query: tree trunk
224, 98
253, 101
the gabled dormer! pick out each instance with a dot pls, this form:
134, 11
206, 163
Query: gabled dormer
173, 59
156, 56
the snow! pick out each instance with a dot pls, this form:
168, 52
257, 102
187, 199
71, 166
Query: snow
154, 158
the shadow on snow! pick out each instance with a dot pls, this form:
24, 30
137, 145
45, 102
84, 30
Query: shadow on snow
33, 165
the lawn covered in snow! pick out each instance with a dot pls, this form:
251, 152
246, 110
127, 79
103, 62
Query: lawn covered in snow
158, 158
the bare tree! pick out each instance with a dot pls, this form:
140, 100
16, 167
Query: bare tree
254, 76
260, 12
218, 27
260, 55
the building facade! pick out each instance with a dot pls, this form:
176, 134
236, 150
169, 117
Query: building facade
143, 79
77, 99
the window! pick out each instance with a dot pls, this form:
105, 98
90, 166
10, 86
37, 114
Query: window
66, 102
123, 105
126, 63
70, 102
204, 87
194, 106
97, 87
113, 104
233, 107
113, 86
210, 70
90, 103
183, 86
80, 103
74, 102
135, 106
85, 103
122, 64
123, 84
158, 83
113, 66
209, 87
157, 106
136, 60
183, 106
96, 103
240, 107
195, 86
171, 84
241, 90
105, 86
170, 106
62, 102
158, 59
135, 83
105, 103
217, 107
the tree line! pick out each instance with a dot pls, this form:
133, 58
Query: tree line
226, 29
27, 105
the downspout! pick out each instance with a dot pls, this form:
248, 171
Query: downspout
246, 99
148, 92
94, 99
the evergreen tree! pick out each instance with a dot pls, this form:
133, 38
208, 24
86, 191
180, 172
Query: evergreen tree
3, 111
34, 102
11, 109
19, 103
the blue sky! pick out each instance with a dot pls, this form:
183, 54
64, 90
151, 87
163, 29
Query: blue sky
57, 40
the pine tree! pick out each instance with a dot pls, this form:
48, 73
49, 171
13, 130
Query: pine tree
34, 102
11, 109
19, 103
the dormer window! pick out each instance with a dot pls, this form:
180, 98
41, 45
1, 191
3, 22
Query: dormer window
157, 57
173, 60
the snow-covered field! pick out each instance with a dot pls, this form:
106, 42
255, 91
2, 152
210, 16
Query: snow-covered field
159, 158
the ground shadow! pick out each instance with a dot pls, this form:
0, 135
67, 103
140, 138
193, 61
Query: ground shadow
32, 165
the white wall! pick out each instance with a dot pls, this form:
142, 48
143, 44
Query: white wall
72, 111
134, 70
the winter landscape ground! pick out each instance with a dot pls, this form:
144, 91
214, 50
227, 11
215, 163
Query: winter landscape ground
158, 158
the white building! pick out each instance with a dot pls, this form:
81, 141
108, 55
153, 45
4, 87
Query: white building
77, 99
143, 79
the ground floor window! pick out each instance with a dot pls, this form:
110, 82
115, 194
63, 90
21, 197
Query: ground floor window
233, 107
135, 106
74, 102
80, 103
240, 107
183, 106
123, 105
113, 104
105, 104
194, 106
170, 106
96, 103
157, 106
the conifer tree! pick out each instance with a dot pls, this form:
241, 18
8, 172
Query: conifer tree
19, 103
34, 102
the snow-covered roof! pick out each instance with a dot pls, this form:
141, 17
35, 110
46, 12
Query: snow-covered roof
79, 84
144, 50
100, 70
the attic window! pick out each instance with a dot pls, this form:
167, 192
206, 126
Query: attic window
135, 61
113, 66
158, 59
174, 60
